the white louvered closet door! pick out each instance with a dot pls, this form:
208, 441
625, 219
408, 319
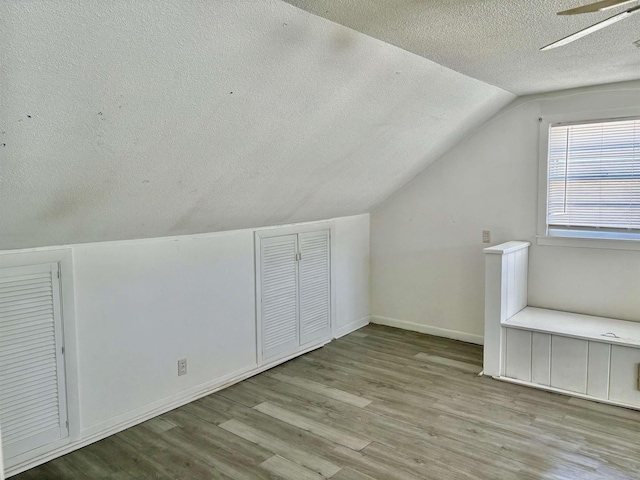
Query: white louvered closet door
279, 295
32, 386
315, 288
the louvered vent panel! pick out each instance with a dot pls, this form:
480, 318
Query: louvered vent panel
30, 401
279, 295
315, 302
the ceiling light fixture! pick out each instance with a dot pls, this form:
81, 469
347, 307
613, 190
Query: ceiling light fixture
592, 28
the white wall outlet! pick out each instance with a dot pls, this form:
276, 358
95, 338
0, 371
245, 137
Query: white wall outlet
486, 236
182, 366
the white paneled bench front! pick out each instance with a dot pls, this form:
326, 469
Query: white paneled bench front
590, 357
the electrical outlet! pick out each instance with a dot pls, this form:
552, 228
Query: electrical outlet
182, 366
486, 236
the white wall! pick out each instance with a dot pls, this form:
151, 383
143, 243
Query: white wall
351, 263
427, 266
140, 305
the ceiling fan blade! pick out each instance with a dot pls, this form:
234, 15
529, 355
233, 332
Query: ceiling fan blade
593, 28
596, 7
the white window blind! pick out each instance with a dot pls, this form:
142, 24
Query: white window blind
594, 179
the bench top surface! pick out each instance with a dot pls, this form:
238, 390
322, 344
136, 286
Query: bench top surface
602, 329
507, 247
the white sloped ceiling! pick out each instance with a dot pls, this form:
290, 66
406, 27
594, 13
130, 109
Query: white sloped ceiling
131, 119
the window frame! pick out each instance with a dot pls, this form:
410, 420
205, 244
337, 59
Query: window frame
543, 238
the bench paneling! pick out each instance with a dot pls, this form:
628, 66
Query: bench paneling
569, 364
518, 363
541, 358
598, 370
624, 375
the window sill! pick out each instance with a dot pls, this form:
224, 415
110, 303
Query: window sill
579, 242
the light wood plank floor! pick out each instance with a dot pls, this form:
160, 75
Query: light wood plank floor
379, 403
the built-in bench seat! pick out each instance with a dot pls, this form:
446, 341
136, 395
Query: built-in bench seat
576, 325
587, 356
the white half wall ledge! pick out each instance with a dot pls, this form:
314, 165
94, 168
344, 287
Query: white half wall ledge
428, 329
505, 290
507, 247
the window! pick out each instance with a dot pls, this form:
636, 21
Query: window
593, 179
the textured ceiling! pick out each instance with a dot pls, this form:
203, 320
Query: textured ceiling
129, 119
498, 41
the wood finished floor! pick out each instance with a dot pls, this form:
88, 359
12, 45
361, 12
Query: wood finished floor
379, 403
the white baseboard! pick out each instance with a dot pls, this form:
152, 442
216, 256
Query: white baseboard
428, 329
351, 327
112, 426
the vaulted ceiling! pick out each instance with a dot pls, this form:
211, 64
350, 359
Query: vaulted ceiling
498, 41
130, 119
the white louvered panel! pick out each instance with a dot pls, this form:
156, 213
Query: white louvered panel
279, 302
43, 286
32, 397
17, 362
315, 303
28, 389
